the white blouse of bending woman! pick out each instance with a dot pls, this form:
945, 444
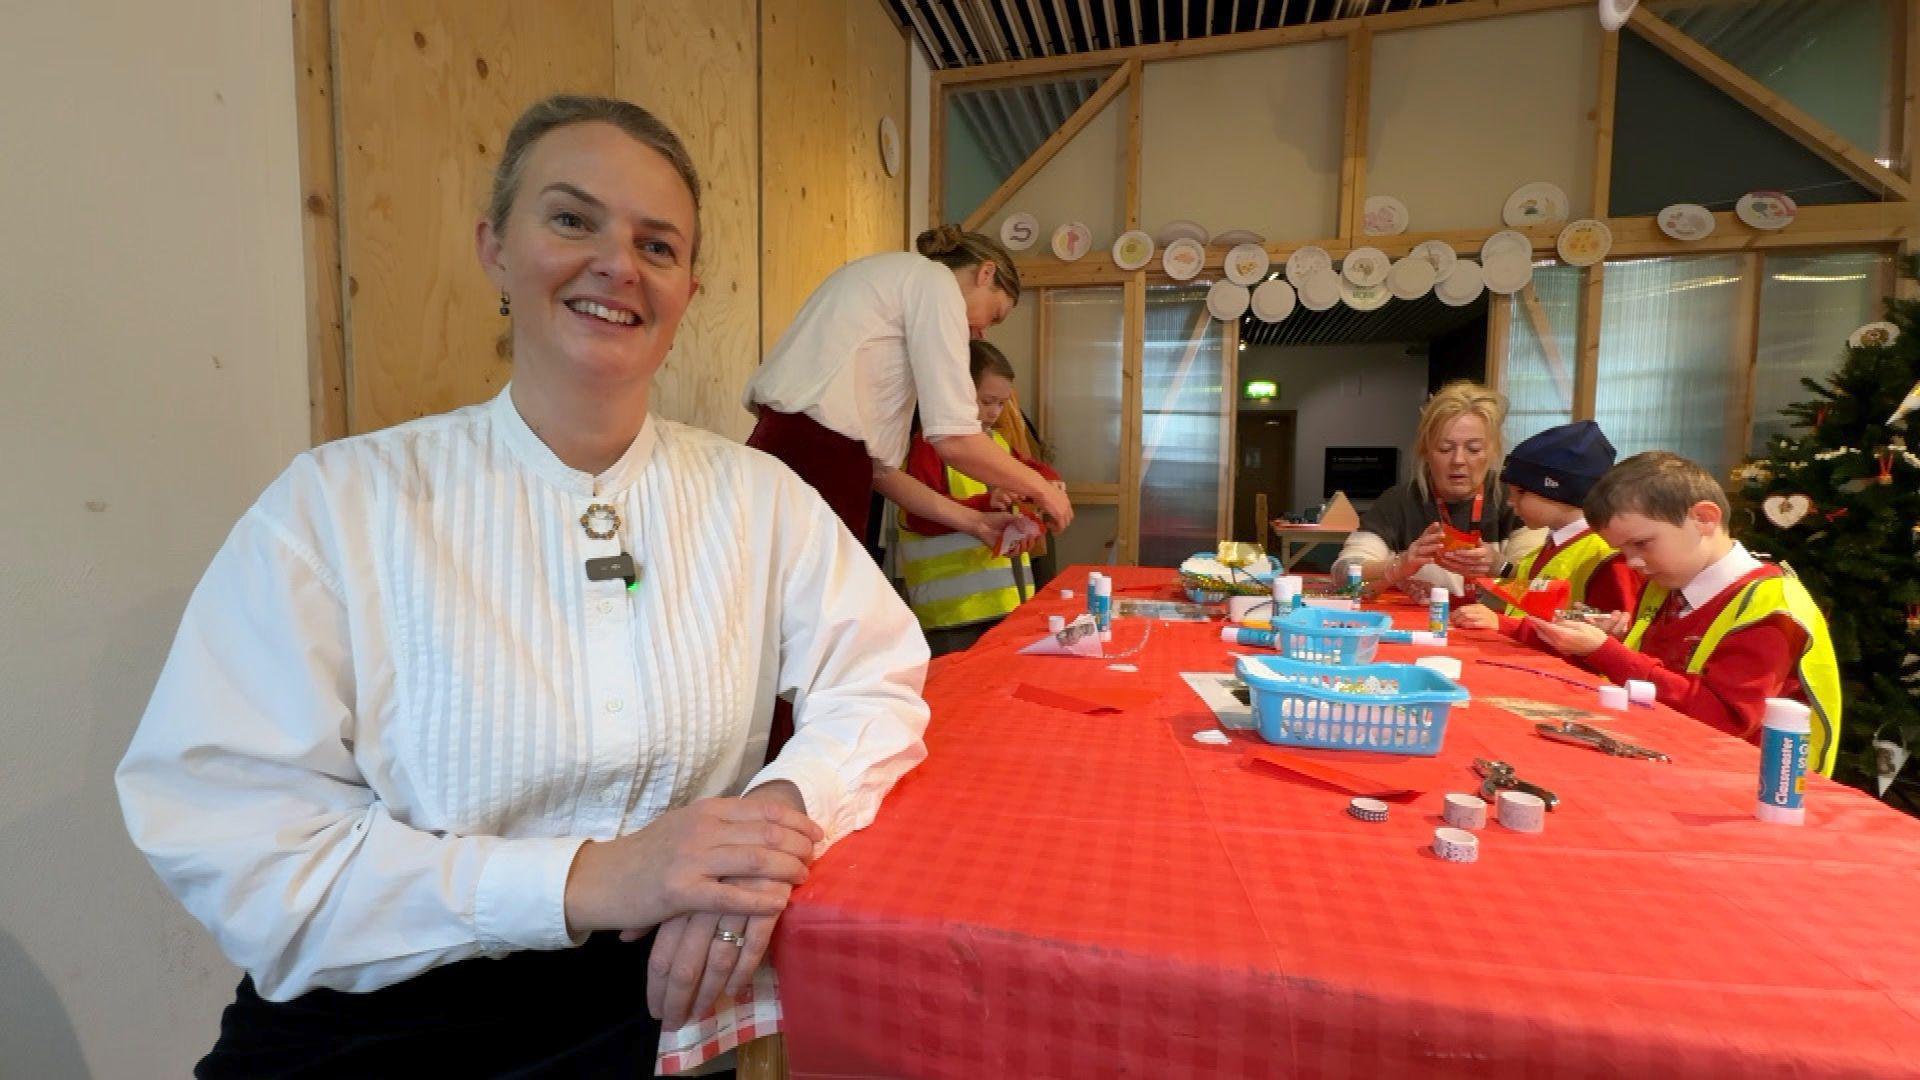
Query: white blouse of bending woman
1400, 542
403, 725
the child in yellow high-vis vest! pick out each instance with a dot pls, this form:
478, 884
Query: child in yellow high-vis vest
1717, 631
957, 583
1548, 476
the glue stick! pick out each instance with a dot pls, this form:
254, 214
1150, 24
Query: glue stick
1247, 635
1103, 605
1785, 740
1356, 585
1438, 602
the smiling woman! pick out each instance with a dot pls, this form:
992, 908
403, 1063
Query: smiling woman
465, 707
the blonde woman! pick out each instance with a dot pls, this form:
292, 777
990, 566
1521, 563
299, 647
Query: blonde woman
1449, 522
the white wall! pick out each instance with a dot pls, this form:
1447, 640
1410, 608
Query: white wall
1345, 395
153, 362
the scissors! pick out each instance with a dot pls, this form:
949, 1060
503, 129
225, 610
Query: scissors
1499, 776
1578, 734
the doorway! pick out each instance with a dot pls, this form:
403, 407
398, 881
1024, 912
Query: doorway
1263, 465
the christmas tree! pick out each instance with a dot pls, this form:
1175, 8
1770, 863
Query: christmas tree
1839, 501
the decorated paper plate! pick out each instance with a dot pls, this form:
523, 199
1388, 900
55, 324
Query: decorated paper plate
1180, 230
1507, 273
1769, 210
1247, 264
1183, 259
1305, 262
1366, 266
1538, 203
1227, 301
1614, 13
1411, 278
1019, 231
1462, 286
1236, 236
1584, 242
1686, 221
1874, 335
1273, 301
1364, 297
1383, 215
1508, 242
1320, 290
1133, 250
1071, 241
1440, 254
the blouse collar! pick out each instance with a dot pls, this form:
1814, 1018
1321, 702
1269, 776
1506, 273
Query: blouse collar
536, 455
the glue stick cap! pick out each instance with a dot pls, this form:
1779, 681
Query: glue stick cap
1439, 595
1786, 714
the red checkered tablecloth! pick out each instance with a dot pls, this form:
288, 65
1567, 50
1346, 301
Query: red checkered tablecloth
1057, 894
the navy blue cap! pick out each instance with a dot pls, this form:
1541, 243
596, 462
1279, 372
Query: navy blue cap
1561, 463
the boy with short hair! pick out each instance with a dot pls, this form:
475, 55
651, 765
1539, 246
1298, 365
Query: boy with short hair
1718, 631
1548, 476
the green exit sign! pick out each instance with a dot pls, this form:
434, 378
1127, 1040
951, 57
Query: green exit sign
1260, 390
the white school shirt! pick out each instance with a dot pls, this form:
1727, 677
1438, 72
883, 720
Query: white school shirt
1737, 563
396, 706
877, 335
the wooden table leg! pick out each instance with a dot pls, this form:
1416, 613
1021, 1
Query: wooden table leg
764, 1058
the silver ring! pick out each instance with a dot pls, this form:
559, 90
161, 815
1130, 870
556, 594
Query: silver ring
731, 938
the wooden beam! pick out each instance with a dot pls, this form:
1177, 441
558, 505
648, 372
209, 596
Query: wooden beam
1081, 117
764, 1058
936, 154
1134, 333
1586, 363
1043, 361
320, 221
1252, 39
1746, 358
1830, 145
1499, 329
1229, 423
1842, 225
1130, 167
1549, 346
1603, 123
1353, 156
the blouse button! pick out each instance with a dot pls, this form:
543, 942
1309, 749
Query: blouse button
615, 704
606, 607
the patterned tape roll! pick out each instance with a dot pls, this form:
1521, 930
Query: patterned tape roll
1466, 812
1456, 845
1522, 812
1368, 809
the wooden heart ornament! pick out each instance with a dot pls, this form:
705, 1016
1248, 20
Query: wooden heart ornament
1786, 511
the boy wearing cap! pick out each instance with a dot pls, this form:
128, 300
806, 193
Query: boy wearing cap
1548, 476
1718, 631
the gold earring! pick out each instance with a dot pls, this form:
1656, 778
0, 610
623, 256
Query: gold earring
505, 308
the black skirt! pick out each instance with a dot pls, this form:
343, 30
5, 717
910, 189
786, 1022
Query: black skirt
572, 1012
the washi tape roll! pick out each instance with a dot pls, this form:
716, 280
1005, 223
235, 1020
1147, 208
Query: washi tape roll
1368, 809
1613, 697
1456, 845
1522, 812
1466, 812
1640, 692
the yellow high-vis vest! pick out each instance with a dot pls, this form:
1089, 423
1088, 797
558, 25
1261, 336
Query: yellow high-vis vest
955, 580
1576, 563
1819, 672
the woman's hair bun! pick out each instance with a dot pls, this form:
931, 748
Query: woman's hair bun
940, 240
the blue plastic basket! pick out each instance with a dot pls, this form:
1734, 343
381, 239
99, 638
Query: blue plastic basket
1296, 704
1321, 636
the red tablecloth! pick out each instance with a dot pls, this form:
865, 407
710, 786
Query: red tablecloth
1060, 894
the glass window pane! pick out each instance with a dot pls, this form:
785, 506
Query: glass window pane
1668, 370
1089, 541
1539, 368
1180, 427
1832, 58
1083, 413
991, 130
1809, 304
